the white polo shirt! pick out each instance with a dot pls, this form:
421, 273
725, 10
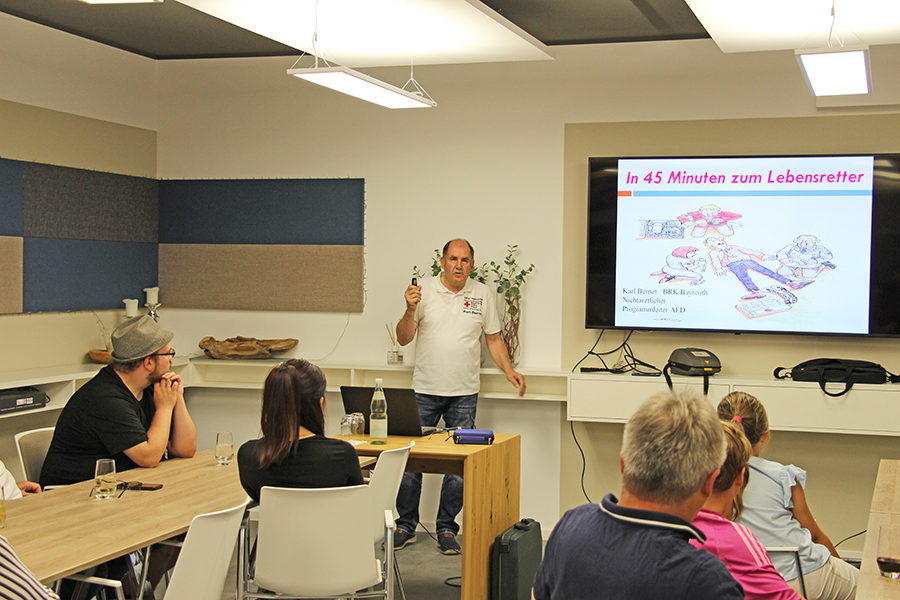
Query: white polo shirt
448, 332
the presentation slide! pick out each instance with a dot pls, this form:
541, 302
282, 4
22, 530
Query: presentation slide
768, 244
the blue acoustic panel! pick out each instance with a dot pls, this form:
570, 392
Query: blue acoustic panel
262, 211
10, 197
78, 204
62, 275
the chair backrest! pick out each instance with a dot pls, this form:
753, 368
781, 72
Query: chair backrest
33, 446
315, 541
385, 483
205, 556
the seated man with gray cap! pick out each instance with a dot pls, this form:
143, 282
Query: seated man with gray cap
132, 411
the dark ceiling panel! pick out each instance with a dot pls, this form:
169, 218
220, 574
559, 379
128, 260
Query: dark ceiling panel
166, 30
170, 30
561, 22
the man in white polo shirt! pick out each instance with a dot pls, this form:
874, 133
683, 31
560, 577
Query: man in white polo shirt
448, 314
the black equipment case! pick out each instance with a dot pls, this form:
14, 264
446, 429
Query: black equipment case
515, 557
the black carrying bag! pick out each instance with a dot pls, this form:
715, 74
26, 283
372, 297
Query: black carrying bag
837, 370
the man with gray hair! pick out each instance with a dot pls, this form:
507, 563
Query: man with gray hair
637, 547
132, 411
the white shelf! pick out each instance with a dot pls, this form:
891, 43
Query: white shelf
791, 406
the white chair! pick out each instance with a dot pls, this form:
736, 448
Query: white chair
796, 552
317, 542
32, 446
205, 555
203, 562
384, 484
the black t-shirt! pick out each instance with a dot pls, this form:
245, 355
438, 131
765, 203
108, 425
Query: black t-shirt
101, 420
316, 462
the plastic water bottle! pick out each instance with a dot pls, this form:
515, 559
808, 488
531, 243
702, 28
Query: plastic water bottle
378, 429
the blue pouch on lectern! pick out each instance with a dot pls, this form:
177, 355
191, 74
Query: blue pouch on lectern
484, 437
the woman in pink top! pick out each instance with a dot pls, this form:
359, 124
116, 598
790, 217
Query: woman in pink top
731, 542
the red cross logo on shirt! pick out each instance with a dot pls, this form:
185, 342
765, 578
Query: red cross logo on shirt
467, 304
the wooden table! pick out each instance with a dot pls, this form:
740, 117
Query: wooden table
885, 511
490, 493
66, 530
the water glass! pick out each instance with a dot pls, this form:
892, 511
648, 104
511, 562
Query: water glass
888, 557
358, 426
224, 448
346, 425
105, 479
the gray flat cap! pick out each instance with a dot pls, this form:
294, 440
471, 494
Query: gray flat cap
137, 338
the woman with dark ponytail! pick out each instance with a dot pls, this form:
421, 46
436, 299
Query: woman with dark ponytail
293, 450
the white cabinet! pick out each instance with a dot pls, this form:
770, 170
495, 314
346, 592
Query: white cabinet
791, 406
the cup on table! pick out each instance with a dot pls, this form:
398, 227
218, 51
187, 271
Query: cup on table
2, 507
888, 557
358, 426
224, 448
105, 479
347, 425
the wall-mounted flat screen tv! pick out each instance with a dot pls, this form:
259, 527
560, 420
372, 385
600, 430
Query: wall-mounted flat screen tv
769, 244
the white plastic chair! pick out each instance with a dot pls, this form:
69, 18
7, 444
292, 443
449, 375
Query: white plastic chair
317, 542
203, 562
32, 446
796, 552
205, 555
384, 484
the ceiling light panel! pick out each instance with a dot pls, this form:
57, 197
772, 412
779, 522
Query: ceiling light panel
369, 33
760, 25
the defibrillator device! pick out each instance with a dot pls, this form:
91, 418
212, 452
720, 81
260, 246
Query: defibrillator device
692, 362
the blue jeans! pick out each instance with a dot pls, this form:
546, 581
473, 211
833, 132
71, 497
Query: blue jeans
458, 411
740, 268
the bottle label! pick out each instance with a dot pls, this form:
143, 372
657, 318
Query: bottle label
378, 429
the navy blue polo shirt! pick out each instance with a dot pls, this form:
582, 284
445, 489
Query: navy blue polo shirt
607, 551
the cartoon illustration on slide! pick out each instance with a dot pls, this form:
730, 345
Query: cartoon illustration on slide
739, 260
780, 300
660, 229
805, 257
709, 217
683, 263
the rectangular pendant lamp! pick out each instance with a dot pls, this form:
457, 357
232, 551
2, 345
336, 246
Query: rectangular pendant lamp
836, 72
364, 87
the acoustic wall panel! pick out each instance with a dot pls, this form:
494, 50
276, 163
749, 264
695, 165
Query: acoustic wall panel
77, 204
262, 211
10, 275
10, 197
61, 275
262, 277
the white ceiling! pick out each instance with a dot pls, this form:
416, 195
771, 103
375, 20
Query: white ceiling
369, 33
758, 25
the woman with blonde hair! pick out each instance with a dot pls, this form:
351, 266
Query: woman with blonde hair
776, 511
731, 542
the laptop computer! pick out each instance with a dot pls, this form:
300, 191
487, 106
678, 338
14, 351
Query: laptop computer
403, 412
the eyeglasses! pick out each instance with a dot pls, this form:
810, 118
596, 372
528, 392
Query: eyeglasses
448, 430
128, 485
171, 353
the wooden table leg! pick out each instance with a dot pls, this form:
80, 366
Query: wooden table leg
490, 506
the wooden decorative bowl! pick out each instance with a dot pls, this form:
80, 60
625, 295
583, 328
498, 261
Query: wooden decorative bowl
104, 357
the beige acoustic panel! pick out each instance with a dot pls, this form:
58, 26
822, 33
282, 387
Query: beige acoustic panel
261, 277
10, 275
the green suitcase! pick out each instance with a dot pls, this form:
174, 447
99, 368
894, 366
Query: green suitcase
515, 557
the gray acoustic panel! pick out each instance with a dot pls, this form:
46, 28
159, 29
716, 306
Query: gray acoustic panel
10, 275
262, 211
61, 202
262, 277
61, 275
10, 197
